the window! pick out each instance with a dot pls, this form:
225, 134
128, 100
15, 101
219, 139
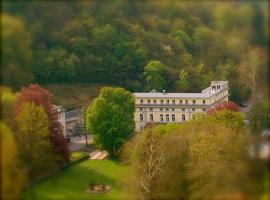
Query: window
186, 101
148, 101
173, 101
141, 109
161, 101
151, 109
181, 101
193, 109
203, 109
161, 109
203, 101
167, 118
183, 117
151, 117
155, 101
141, 100
161, 118
167, 109
141, 117
173, 118
183, 109
168, 101
173, 109
193, 101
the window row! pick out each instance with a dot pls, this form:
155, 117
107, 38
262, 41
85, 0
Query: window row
170, 109
163, 118
168, 101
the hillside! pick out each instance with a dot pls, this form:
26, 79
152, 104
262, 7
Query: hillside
73, 95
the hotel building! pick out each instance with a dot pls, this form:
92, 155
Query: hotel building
161, 107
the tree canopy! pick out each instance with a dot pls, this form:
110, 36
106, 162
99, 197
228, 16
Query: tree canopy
91, 42
110, 118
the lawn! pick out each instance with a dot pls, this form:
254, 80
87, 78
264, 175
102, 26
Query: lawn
72, 182
77, 154
73, 94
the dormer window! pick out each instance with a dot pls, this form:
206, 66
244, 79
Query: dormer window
186, 101
141, 101
181, 101
203, 101
155, 101
168, 101
148, 101
161, 101
193, 101
173, 101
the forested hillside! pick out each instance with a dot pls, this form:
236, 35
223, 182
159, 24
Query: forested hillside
178, 46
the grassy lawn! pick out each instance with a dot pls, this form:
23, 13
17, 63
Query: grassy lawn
77, 154
73, 94
72, 182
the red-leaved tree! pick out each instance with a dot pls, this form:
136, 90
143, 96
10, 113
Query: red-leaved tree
228, 105
42, 97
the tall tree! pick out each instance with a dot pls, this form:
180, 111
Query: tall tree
16, 52
35, 150
110, 118
11, 175
41, 97
154, 73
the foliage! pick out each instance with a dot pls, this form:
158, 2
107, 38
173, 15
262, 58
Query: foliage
110, 118
16, 52
41, 97
190, 161
89, 42
35, 151
154, 73
226, 105
10, 170
259, 117
8, 98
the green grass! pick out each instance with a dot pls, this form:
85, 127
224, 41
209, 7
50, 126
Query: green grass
73, 94
72, 182
77, 154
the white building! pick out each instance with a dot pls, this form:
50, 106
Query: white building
61, 117
161, 107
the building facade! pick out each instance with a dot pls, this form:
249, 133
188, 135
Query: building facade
161, 107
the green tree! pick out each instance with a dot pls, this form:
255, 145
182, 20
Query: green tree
8, 98
183, 83
16, 52
34, 147
188, 161
12, 176
110, 118
154, 73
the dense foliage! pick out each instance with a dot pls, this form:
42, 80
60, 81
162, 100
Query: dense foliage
110, 118
201, 159
33, 140
115, 42
11, 171
41, 97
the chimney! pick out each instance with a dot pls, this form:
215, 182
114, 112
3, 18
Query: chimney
164, 91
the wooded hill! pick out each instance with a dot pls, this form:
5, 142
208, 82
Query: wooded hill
184, 44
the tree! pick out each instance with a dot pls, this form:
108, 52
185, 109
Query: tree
183, 83
12, 176
41, 97
259, 117
154, 73
8, 98
110, 118
16, 52
188, 161
35, 150
226, 105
